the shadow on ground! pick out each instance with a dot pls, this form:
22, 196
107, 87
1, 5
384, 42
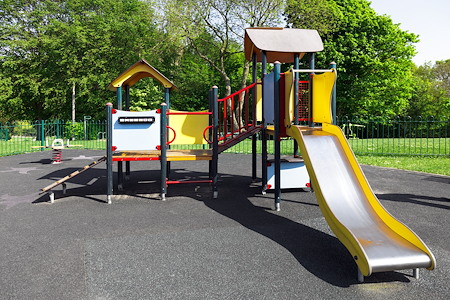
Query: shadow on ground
417, 199
318, 252
240, 200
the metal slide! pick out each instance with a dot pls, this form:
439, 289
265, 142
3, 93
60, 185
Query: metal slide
375, 239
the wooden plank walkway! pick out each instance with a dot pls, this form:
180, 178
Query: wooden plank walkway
172, 155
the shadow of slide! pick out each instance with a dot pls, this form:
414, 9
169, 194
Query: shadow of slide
320, 253
430, 201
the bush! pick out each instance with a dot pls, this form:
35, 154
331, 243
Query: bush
4, 134
75, 130
24, 128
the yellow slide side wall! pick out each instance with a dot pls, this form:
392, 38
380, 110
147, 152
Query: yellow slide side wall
341, 232
321, 94
188, 128
387, 218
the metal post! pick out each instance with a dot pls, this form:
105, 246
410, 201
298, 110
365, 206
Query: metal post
163, 137
42, 135
127, 107
416, 273
296, 67
333, 97
215, 124
167, 97
360, 276
276, 111
85, 118
167, 101
109, 168
263, 129
210, 132
255, 88
119, 164
312, 67
119, 97
127, 97
120, 175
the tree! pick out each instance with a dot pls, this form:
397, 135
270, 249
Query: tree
50, 46
216, 30
432, 90
373, 55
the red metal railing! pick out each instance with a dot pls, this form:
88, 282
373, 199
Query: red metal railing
237, 114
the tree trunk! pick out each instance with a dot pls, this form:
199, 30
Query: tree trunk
73, 109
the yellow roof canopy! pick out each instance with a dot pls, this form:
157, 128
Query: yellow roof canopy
136, 72
281, 44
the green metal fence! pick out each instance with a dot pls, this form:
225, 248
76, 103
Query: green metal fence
25, 136
375, 136
367, 136
398, 136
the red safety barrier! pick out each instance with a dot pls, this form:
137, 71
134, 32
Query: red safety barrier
174, 135
237, 113
204, 134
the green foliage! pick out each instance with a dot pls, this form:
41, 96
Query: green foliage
5, 134
48, 46
432, 90
24, 128
145, 95
52, 45
75, 130
373, 55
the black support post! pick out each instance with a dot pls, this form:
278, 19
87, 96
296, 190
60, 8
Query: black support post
163, 157
296, 79
215, 130
254, 115
109, 168
264, 125
312, 66
276, 110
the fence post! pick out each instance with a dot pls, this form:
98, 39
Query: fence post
42, 135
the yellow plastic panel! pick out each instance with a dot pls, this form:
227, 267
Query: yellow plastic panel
259, 112
289, 98
136, 72
322, 89
188, 128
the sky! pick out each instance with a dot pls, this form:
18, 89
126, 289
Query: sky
430, 19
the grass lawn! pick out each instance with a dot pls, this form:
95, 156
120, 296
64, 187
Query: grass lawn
369, 152
434, 165
18, 145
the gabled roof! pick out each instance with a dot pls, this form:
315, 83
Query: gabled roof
281, 44
136, 72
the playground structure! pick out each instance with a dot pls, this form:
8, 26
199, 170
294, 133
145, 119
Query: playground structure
147, 136
375, 239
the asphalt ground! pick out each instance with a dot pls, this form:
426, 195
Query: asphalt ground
194, 247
